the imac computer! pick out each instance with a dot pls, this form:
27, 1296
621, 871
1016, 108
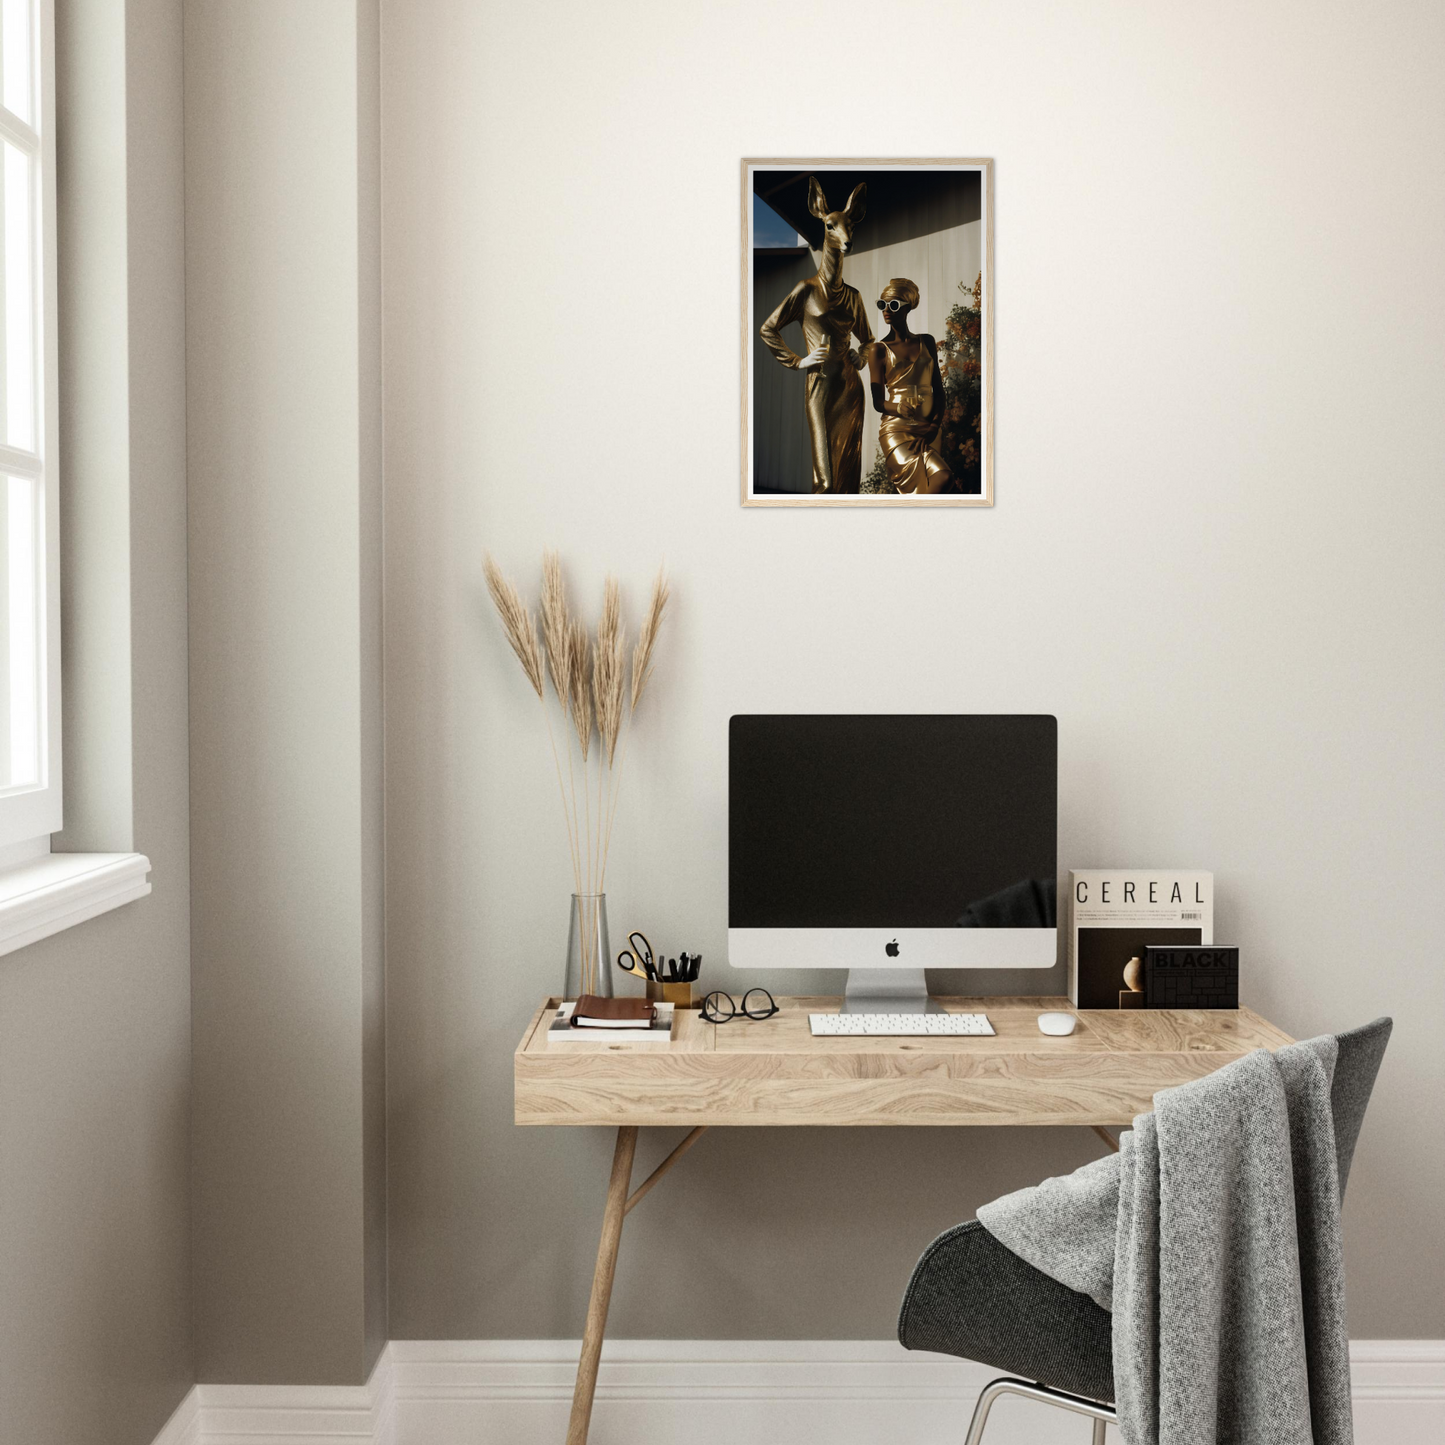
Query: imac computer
890, 844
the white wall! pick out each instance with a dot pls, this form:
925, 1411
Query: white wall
1215, 556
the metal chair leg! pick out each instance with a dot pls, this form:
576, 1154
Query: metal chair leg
1099, 1413
980, 1411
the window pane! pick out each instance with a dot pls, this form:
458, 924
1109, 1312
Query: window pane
19, 354
16, 40
20, 635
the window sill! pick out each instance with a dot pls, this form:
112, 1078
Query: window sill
59, 890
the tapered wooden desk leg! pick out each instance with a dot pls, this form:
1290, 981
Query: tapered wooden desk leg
1106, 1136
612, 1217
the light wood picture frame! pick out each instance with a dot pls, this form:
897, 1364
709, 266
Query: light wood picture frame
814, 231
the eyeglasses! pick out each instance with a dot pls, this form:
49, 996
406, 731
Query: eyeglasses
892, 305
719, 1008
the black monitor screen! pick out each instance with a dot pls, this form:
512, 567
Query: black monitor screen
934, 821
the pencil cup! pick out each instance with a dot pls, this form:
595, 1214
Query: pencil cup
673, 993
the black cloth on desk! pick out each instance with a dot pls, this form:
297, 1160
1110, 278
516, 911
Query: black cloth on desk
1029, 904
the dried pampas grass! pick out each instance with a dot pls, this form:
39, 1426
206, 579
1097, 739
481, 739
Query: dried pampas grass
555, 633
579, 685
516, 622
647, 636
590, 684
608, 670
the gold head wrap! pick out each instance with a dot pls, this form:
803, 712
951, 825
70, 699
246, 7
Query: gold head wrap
901, 289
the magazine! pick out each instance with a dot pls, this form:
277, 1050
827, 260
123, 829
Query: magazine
1114, 913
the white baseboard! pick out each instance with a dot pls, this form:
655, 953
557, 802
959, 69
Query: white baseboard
714, 1392
184, 1427
288, 1414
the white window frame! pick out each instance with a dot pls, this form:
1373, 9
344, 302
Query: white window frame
29, 815
42, 892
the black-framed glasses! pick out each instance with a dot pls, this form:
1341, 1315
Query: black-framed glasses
893, 304
718, 1007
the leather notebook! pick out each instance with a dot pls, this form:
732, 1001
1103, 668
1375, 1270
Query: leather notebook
612, 1013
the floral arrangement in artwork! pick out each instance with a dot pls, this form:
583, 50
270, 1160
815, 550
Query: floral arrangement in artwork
960, 359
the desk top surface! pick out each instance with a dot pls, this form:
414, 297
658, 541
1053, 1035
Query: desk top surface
771, 1072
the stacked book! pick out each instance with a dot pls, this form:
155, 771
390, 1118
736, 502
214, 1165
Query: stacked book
611, 1021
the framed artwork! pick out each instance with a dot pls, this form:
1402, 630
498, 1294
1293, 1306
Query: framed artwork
867, 366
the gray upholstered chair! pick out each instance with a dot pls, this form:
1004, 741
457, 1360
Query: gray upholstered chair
972, 1297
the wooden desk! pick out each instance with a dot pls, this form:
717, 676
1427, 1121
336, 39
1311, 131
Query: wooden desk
770, 1072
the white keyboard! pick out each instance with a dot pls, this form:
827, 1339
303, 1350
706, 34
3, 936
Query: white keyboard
912, 1026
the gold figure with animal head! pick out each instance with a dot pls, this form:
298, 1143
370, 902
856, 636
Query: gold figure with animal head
830, 311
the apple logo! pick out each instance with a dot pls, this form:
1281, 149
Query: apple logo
891, 949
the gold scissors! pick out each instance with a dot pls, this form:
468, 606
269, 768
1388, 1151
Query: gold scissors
637, 958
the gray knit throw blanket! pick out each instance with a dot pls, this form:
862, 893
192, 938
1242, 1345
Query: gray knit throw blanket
1214, 1237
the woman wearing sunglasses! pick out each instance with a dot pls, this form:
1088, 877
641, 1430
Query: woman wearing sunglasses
908, 394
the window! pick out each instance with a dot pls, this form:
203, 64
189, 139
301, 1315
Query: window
41, 892
30, 796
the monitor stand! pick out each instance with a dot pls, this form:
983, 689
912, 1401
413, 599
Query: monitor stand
887, 991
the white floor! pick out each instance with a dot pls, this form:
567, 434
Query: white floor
715, 1392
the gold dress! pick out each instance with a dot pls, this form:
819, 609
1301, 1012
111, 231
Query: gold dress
829, 310
912, 463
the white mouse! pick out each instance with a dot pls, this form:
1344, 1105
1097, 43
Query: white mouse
1058, 1024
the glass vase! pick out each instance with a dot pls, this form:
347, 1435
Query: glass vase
589, 952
